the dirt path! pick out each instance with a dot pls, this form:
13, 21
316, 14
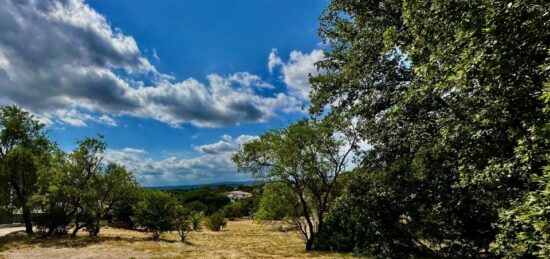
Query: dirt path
5, 231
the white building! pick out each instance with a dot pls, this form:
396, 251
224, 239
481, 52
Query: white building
237, 195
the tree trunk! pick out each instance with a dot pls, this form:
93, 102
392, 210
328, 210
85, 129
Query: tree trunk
309, 243
96, 228
27, 219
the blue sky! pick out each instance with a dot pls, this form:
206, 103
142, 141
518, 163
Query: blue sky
174, 86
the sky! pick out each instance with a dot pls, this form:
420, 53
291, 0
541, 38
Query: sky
174, 86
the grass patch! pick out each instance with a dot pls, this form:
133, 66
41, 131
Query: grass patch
240, 239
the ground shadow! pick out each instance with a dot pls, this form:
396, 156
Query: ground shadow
65, 241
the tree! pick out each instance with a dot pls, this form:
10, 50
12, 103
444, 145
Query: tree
54, 195
212, 199
156, 213
182, 222
22, 145
216, 221
525, 226
196, 220
278, 202
308, 157
109, 186
233, 211
78, 189
448, 95
85, 164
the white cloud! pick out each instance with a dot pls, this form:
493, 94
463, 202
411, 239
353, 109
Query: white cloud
61, 60
297, 70
274, 60
212, 165
227, 144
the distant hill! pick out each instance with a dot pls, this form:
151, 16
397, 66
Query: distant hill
197, 186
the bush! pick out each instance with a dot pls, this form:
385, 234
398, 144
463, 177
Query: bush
196, 220
182, 223
156, 213
216, 221
233, 211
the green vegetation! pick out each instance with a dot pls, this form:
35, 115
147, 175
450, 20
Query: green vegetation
453, 98
215, 222
156, 213
307, 157
196, 219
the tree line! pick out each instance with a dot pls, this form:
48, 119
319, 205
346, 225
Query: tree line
63, 193
453, 98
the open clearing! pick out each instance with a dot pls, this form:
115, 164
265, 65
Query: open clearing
240, 239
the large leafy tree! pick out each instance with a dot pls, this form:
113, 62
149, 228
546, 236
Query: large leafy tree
23, 144
79, 190
449, 96
307, 157
109, 186
156, 212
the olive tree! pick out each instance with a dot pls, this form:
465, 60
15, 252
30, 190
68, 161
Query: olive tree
22, 146
308, 157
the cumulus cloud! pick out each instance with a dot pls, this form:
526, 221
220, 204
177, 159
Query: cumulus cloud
62, 60
213, 164
296, 70
227, 144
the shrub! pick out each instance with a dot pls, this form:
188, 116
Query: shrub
156, 213
182, 223
196, 220
233, 211
215, 221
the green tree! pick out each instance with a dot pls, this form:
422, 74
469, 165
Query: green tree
22, 147
278, 202
183, 222
108, 187
196, 220
308, 157
85, 165
233, 211
525, 226
216, 221
212, 199
54, 195
448, 95
156, 212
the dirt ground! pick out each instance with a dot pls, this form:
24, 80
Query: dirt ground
240, 239
6, 231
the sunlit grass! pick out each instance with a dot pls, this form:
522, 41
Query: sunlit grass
240, 239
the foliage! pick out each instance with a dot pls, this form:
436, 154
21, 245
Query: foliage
216, 221
212, 199
122, 211
182, 222
308, 157
156, 212
196, 220
110, 186
278, 202
448, 93
233, 211
77, 190
525, 228
23, 145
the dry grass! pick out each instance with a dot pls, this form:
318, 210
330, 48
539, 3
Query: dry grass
240, 239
